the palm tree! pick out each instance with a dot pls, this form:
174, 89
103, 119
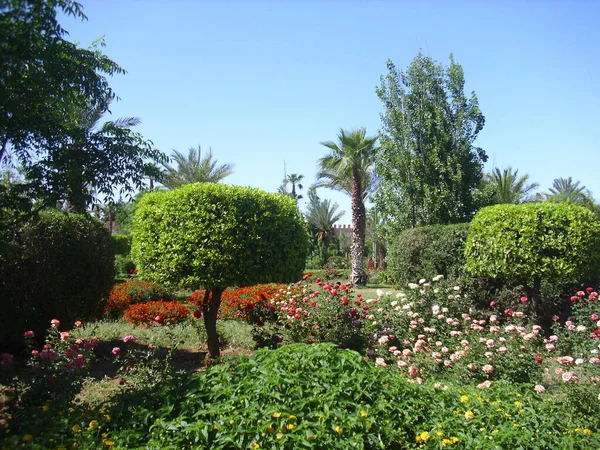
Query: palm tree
321, 216
509, 187
293, 179
349, 168
194, 169
564, 190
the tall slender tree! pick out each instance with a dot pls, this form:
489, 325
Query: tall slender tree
194, 168
428, 163
349, 167
509, 187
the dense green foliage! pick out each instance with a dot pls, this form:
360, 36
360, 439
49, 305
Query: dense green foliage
216, 236
538, 240
427, 163
56, 265
529, 243
53, 95
121, 244
425, 252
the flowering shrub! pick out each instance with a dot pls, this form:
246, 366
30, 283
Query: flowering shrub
248, 303
134, 291
160, 312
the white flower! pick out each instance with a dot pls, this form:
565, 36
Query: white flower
380, 292
456, 288
581, 328
422, 280
437, 278
413, 286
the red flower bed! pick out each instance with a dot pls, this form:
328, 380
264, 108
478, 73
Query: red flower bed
145, 313
241, 302
133, 291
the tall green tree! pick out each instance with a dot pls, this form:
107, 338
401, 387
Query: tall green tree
321, 216
194, 168
43, 75
508, 187
53, 94
349, 167
427, 162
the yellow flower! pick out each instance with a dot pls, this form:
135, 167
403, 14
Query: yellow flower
107, 417
464, 399
276, 415
28, 438
291, 418
469, 415
587, 431
108, 443
446, 442
290, 426
439, 433
279, 436
495, 431
254, 446
423, 437
338, 429
75, 428
93, 425
270, 429
454, 439
45, 408
518, 404
363, 413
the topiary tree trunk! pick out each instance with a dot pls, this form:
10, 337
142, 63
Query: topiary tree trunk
210, 311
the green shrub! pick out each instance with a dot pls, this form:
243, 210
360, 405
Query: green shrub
57, 265
425, 252
529, 243
124, 265
214, 236
121, 244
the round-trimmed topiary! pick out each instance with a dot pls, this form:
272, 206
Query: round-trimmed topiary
214, 236
532, 242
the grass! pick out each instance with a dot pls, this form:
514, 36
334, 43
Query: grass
187, 336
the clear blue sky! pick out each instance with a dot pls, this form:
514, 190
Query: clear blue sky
263, 82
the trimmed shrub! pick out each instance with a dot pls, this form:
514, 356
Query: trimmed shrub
147, 313
425, 252
56, 265
121, 244
530, 243
215, 236
124, 265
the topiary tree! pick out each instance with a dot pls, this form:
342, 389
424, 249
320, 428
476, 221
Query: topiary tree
214, 236
529, 243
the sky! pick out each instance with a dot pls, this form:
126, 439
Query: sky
263, 83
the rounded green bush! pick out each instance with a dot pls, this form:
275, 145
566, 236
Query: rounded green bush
58, 265
425, 252
215, 236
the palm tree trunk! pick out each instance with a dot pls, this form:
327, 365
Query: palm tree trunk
358, 276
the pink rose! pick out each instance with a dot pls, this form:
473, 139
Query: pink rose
413, 371
116, 351
64, 335
29, 334
539, 389
488, 369
55, 323
570, 377
128, 339
78, 324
